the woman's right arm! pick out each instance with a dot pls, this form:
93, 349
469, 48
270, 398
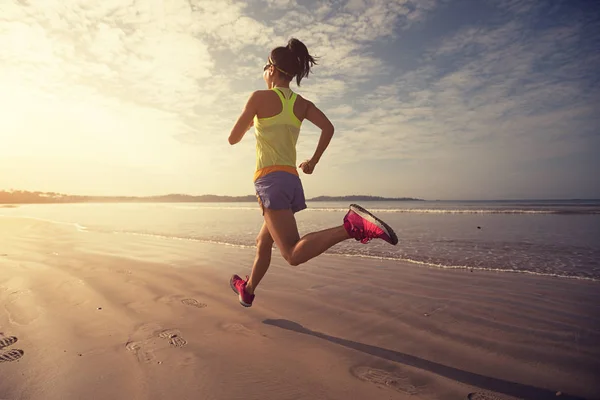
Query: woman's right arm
317, 117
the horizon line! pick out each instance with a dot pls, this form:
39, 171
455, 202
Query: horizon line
308, 199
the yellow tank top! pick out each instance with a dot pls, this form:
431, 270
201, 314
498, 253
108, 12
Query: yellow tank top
276, 138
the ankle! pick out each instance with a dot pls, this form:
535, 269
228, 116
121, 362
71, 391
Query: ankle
249, 288
347, 232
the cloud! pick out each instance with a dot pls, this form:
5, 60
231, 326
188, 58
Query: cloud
343, 34
140, 77
482, 87
136, 53
174, 55
515, 6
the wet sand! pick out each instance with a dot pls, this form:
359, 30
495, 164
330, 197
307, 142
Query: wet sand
114, 316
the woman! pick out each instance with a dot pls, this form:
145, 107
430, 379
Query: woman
277, 114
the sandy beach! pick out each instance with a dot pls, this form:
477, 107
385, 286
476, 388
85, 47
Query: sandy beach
87, 315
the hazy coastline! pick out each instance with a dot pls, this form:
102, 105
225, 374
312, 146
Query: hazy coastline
27, 197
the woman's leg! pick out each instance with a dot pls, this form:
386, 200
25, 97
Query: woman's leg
284, 231
264, 247
280, 227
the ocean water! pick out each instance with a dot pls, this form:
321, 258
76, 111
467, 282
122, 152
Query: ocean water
558, 238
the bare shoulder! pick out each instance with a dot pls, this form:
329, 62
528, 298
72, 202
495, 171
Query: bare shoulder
256, 98
258, 94
302, 106
262, 92
303, 100
312, 113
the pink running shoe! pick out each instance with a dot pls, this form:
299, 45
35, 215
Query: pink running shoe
364, 226
239, 287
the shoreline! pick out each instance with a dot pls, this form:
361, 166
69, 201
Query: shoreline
414, 263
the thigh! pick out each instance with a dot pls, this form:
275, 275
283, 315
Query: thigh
282, 228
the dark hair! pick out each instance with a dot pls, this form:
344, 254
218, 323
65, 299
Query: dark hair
293, 60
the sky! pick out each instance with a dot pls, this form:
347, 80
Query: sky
435, 99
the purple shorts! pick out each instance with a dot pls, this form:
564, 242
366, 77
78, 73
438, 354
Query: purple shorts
280, 190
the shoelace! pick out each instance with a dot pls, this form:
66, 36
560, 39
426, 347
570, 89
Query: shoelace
359, 233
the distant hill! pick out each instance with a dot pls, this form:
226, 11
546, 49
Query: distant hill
25, 197
361, 198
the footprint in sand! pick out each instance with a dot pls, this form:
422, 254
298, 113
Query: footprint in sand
9, 355
489, 396
140, 342
237, 328
140, 351
7, 341
143, 344
174, 337
124, 271
193, 303
384, 378
21, 308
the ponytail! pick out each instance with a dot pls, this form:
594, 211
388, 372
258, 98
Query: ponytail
304, 60
293, 60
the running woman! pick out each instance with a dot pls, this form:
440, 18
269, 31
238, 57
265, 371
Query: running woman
277, 114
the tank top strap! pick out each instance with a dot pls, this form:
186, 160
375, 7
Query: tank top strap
288, 104
281, 96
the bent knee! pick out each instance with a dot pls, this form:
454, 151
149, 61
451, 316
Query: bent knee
292, 259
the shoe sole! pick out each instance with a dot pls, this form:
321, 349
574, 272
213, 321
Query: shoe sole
238, 293
374, 220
